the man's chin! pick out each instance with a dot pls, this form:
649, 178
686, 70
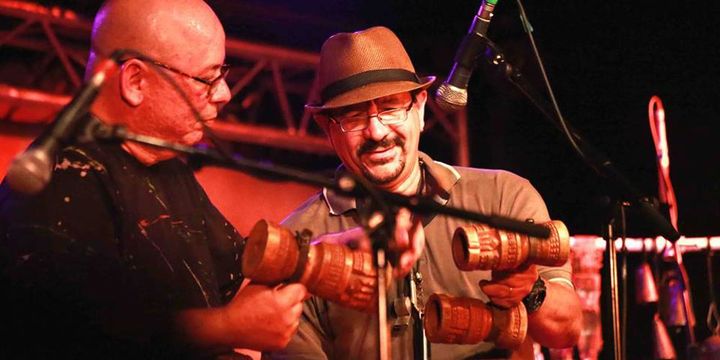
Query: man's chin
192, 138
382, 174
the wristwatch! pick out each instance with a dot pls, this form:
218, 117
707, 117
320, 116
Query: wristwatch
536, 297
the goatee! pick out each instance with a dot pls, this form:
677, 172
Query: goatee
372, 145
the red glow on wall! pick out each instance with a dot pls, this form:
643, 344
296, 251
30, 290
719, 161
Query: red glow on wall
11, 145
31, 7
244, 199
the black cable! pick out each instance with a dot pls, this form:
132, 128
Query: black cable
565, 129
548, 87
600, 163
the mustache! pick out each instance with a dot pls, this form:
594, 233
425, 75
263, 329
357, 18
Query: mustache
372, 145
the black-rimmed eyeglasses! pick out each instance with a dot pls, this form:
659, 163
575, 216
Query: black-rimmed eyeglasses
213, 84
361, 122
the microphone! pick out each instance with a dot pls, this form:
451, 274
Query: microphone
31, 170
452, 94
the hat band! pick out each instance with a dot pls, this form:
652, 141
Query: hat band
364, 78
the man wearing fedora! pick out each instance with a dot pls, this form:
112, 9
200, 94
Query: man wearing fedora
371, 107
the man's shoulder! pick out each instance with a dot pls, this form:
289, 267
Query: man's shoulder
499, 192
76, 163
312, 208
81, 159
496, 177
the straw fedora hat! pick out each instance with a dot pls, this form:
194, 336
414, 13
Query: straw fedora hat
364, 65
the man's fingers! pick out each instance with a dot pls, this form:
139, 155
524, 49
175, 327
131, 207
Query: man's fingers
296, 310
363, 243
516, 282
402, 227
291, 294
495, 290
402, 239
529, 271
418, 237
409, 241
505, 291
505, 304
406, 262
403, 218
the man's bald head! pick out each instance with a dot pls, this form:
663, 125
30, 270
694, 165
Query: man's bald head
187, 39
164, 30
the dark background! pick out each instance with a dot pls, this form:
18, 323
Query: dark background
604, 60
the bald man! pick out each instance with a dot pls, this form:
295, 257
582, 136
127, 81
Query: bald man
123, 255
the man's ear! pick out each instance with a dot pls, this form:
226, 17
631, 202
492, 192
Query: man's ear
133, 81
420, 100
323, 122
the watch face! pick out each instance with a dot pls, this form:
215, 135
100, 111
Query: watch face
536, 297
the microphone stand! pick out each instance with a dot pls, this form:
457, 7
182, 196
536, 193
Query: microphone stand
619, 324
614, 292
596, 160
421, 346
347, 185
379, 210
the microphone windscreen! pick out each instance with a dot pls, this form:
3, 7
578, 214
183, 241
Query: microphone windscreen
30, 172
450, 98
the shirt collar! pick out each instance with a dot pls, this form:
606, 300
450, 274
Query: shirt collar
440, 178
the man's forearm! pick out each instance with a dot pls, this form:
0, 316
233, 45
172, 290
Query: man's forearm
558, 321
204, 328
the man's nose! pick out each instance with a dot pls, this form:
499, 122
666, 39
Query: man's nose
376, 130
221, 95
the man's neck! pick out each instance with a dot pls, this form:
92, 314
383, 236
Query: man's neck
410, 185
147, 155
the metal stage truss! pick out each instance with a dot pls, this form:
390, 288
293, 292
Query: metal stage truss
269, 84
